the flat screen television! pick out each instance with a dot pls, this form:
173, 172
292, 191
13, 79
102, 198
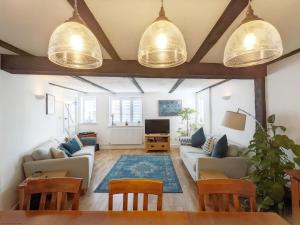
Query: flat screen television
157, 126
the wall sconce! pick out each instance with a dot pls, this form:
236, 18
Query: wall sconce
226, 95
39, 95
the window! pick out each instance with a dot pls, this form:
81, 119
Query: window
88, 109
201, 110
124, 110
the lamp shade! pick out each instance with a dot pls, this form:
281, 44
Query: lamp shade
234, 120
162, 45
73, 45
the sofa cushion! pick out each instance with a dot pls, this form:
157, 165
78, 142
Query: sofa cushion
221, 148
233, 150
57, 153
198, 138
193, 158
86, 150
72, 146
41, 154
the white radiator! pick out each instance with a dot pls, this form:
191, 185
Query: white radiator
126, 136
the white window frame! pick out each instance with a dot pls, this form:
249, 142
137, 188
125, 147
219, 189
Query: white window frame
130, 123
82, 112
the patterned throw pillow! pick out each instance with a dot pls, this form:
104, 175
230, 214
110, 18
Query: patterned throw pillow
208, 146
185, 141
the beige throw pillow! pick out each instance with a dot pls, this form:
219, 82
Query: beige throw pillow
78, 141
58, 154
41, 154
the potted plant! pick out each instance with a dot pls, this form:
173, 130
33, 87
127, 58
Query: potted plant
185, 115
268, 164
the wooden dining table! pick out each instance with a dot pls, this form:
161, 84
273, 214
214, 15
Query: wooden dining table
138, 218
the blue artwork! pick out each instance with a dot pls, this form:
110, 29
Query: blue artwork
169, 107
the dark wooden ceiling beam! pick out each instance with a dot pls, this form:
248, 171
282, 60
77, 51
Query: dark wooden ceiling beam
137, 85
213, 85
129, 68
176, 85
14, 49
95, 27
93, 84
285, 56
68, 88
232, 11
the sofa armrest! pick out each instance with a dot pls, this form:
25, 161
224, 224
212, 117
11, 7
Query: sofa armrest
232, 167
75, 166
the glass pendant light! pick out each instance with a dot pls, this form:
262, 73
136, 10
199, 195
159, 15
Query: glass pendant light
254, 42
162, 44
73, 45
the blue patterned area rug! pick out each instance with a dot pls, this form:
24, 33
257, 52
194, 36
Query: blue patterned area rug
156, 166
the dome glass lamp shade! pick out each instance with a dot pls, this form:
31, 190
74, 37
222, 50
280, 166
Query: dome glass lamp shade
73, 45
254, 42
162, 45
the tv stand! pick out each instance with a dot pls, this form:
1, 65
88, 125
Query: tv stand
157, 142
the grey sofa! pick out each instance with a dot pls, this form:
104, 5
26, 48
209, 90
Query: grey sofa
196, 160
79, 165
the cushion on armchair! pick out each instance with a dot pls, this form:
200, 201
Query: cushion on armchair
221, 148
86, 141
198, 138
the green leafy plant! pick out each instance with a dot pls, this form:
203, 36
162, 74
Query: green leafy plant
269, 162
185, 115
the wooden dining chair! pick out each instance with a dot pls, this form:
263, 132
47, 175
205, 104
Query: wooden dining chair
58, 189
135, 186
295, 188
222, 191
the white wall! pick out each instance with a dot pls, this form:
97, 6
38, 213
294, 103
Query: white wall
150, 111
283, 94
24, 125
242, 96
205, 95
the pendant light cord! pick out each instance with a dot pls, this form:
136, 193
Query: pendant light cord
75, 8
162, 10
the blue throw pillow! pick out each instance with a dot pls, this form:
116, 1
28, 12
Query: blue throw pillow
221, 148
198, 138
72, 146
61, 147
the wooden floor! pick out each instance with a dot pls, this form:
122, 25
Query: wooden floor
104, 161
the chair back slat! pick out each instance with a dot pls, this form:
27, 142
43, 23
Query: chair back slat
135, 201
53, 202
222, 191
145, 202
43, 201
295, 189
53, 187
125, 201
135, 187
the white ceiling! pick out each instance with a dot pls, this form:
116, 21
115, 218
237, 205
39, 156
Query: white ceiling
29, 24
